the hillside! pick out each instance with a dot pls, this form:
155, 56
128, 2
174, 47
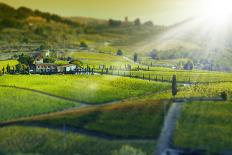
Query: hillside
25, 30
20, 26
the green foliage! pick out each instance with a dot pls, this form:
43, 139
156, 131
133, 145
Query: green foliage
205, 125
137, 22
19, 67
188, 65
135, 57
174, 86
29, 140
77, 63
139, 118
83, 44
224, 96
149, 23
114, 23
49, 60
86, 88
19, 103
11, 63
119, 52
128, 150
25, 59
153, 54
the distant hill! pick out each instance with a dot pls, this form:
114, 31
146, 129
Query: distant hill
88, 20
26, 26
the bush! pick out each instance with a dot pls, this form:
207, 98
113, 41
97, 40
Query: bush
224, 95
128, 150
119, 53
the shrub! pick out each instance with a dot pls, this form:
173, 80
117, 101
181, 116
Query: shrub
128, 150
119, 53
224, 95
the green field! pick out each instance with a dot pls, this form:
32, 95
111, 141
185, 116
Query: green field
16, 103
85, 88
42, 141
4, 63
205, 125
211, 90
160, 73
141, 118
95, 59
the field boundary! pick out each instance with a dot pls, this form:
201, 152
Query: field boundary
160, 80
82, 106
43, 93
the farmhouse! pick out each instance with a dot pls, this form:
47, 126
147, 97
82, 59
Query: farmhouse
66, 68
45, 68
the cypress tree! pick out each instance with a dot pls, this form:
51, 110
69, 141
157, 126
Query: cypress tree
174, 86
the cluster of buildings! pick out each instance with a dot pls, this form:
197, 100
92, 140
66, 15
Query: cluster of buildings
41, 67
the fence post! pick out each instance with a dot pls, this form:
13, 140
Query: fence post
149, 77
143, 76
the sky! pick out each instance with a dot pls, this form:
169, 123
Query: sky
161, 12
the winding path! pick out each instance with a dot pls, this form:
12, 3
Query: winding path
164, 141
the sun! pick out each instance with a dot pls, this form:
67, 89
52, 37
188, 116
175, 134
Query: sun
217, 10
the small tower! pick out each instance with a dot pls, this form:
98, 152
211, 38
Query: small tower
126, 20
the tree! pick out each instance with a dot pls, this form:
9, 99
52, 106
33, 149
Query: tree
48, 60
114, 23
188, 65
25, 59
149, 23
83, 45
224, 95
135, 57
77, 63
8, 68
19, 67
119, 52
153, 54
3, 70
174, 86
137, 22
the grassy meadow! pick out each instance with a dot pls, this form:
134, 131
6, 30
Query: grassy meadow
165, 74
42, 141
20, 103
205, 125
141, 118
11, 63
92, 89
95, 59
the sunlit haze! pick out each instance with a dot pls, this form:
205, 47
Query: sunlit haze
159, 11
